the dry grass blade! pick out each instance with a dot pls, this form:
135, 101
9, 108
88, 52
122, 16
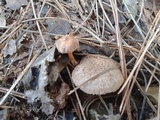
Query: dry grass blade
61, 8
74, 23
5, 39
14, 93
158, 114
39, 14
111, 26
40, 32
154, 7
121, 50
139, 29
154, 70
138, 64
139, 61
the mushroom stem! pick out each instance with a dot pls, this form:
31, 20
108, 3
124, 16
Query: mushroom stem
72, 59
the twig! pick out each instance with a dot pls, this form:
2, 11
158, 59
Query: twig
89, 15
19, 77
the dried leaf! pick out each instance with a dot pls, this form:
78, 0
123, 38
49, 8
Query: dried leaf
155, 118
132, 6
16, 4
148, 15
58, 27
10, 49
3, 114
47, 108
27, 78
2, 18
47, 55
153, 93
62, 96
39, 94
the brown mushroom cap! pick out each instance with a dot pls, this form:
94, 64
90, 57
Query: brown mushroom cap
91, 66
67, 44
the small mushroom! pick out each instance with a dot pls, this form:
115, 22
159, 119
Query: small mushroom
68, 44
97, 75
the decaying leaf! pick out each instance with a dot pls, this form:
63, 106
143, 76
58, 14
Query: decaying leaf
97, 111
153, 93
39, 94
58, 27
2, 18
62, 96
3, 114
132, 6
48, 55
155, 118
10, 49
16, 4
148, 15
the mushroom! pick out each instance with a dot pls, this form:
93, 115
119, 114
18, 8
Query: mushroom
68, 44
97, 75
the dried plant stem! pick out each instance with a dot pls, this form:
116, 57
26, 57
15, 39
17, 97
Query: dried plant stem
40, 32
139, 30
121, 51
14, 93
139, 61
61, 8
152, 75
158, 113
111, 26
10, 34
137, 66
72, 22
19, 78
44, 2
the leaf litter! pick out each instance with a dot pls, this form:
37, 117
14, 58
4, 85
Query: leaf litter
36, 79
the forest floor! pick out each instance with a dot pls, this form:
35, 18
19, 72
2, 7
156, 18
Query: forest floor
37, 77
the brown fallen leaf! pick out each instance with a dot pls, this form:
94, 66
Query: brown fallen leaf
10, 48
16, 4
60, 99
148, 15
